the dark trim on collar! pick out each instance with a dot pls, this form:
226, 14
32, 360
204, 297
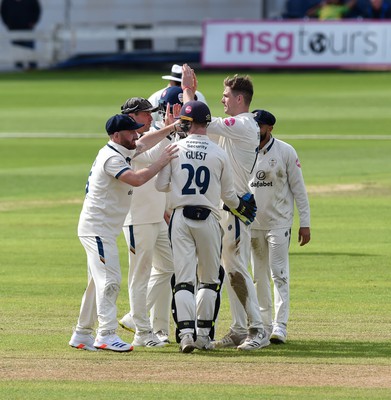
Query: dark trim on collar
256, 158
113, 148
127, 159
264, 151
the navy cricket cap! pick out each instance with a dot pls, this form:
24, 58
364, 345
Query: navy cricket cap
172, 95
121, 122
264, 117
136, 104
195, 111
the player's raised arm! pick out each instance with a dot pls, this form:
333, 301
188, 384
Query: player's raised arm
189, 83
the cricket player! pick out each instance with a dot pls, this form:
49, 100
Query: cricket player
198, 179
146, 234
277, 183
239, 137
107, 201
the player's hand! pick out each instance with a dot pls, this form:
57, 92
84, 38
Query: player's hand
167, 216
247, 209
171, 117
304, 236
189, 79
176, 111
168, 154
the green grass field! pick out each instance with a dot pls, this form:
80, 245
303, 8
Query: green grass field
339, 343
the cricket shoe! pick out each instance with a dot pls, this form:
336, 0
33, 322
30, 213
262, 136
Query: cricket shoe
231, 339
162, 336
187, 343
147, 339
256, 339
204, 343
82, 341
112, 342
279, 335
127, 323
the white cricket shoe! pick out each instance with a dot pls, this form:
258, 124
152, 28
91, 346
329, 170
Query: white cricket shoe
162, 336
127, 323
187, 343
82, 341
278, 335
204, 343
147, 339
231, 339
256, 339
112, 342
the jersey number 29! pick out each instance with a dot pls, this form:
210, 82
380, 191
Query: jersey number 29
200, 177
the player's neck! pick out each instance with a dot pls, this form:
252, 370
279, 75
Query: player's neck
264, 141
198, 132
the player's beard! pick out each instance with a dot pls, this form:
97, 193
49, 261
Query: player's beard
130, 145
129, 142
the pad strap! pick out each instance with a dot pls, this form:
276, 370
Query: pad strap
183, 286
186, 325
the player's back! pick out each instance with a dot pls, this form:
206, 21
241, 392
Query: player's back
196, 175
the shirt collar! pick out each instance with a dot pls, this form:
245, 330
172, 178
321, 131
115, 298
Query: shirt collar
266, 148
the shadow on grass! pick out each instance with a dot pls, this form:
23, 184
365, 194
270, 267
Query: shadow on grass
312, 349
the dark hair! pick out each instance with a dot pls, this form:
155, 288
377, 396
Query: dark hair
241, 85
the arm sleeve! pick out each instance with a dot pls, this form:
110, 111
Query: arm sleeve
228, 194
296, 183
163, 180
230, 127
153, 154
115, 166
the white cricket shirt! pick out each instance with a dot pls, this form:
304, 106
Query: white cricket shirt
148, 205
240, 139
200, 176
277, 182
107, 198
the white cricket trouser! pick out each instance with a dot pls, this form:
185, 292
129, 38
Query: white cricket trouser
240, 287
104, 280
196, 247
149, 245
270, 259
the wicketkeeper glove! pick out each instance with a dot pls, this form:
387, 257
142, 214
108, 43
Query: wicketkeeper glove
246, 210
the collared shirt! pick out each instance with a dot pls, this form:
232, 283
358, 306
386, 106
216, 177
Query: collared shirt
148, 205
277, 182
200, 176
107, 199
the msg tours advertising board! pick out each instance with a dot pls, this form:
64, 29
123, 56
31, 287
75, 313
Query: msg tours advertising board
285, 44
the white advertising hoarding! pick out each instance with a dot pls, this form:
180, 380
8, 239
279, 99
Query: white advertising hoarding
296, 43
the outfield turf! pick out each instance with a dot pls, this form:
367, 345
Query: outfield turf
339, 344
